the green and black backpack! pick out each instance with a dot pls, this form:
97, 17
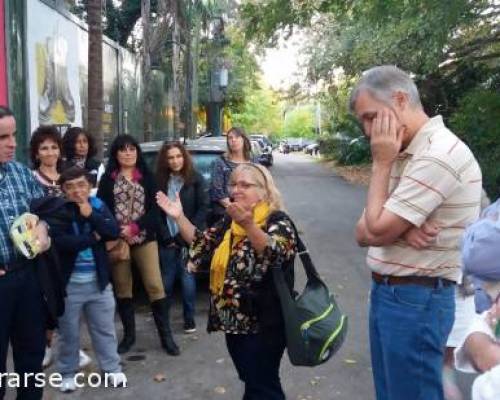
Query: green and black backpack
315, 327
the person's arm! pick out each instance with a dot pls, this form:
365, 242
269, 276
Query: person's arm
67, 240
105, 191
150, 220
174, 210
218, 189
482, 351
365, 238
103, 222
34, 187
281, 247
202, 201
380, 225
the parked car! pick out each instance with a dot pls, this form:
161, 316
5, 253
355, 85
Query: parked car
268, 146
295, 144
312, 148
284, 147
261, 153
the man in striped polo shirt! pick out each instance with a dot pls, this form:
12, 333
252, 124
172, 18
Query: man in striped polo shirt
424, 190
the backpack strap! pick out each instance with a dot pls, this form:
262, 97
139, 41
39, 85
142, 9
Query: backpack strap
302, 251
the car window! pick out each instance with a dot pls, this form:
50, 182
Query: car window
203, 163
150, 159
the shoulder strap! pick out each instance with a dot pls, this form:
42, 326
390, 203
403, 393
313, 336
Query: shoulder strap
305, 258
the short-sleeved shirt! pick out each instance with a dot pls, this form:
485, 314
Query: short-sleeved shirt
18, 187
245, 268
436, 178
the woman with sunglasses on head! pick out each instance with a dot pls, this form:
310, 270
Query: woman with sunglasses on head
254, 236
239, 150
175, 174
128, 188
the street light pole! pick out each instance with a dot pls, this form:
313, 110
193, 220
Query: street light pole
218, 80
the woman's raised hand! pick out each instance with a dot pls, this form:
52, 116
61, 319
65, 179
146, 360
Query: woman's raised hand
171, 208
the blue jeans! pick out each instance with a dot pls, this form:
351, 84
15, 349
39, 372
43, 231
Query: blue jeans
409, 326
172, 267
257, 358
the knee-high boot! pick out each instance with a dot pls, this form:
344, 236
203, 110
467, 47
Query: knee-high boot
126, 311
161, 317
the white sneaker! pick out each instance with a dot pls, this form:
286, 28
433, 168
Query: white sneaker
116, 379
68, 385
47, 358
84, 359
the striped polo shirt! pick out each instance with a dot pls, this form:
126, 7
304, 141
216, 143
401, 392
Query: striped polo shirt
435, 178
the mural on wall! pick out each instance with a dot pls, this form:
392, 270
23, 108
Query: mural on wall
55, 100
53, 63
58, 71
57, 66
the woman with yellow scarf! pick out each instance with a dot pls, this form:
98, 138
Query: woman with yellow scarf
255, 235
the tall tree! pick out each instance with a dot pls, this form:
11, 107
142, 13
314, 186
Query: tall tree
146, 69
95, 83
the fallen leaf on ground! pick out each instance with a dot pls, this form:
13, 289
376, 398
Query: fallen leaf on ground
159, 377
220, 390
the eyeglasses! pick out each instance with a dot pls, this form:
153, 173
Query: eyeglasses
241, 185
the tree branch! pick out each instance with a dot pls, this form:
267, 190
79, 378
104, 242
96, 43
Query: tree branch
473, 46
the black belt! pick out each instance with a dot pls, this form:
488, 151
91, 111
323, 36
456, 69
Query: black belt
428, 281
15, 265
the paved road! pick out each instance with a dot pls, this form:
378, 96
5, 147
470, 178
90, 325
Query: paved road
325, 209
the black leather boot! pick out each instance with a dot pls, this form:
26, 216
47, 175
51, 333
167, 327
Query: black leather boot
161, 316
126, 311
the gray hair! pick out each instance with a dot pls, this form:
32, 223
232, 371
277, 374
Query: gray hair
382, 81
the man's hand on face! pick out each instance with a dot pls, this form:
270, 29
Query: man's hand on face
385, 138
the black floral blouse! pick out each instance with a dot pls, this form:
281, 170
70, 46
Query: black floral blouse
245, 268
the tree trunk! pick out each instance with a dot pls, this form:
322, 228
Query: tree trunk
192, 51
95, 85
176, 65
146, 70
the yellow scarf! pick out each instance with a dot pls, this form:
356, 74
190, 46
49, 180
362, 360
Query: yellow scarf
220, 259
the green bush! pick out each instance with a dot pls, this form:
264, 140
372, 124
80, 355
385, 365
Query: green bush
346, 150
477, 122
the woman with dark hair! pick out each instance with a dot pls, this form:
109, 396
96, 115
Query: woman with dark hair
176, 177
45, 154
128, 188
79, 149
239, 151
